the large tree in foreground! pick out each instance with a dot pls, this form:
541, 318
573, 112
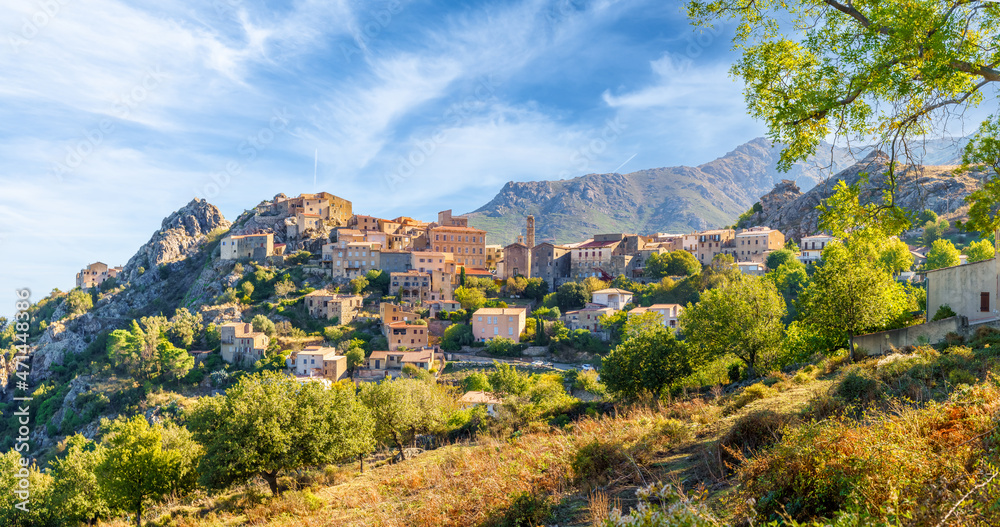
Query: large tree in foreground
872, 70
649, 359
851, 294
269, 423
742, 317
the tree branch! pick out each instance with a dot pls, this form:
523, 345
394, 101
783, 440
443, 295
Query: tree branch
850, 11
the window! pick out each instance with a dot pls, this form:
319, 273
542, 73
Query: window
480, 319
510, 331
496, 331
984, 302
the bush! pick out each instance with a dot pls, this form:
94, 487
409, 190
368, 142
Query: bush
945, 311
961, 376
750, 394
595, 463
664, 504
858, 386
526, 509
750, 433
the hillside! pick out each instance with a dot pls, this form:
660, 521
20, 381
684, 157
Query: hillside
674, 199
936, 188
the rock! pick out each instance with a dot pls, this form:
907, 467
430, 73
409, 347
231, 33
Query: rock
181, 235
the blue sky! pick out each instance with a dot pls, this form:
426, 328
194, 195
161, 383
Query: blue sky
114, 114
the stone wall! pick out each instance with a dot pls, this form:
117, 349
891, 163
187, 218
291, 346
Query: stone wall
930, 333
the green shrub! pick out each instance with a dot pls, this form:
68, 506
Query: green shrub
527, 509
943, 312
961, 376
750, 394
594, 464
750, 433
858, 386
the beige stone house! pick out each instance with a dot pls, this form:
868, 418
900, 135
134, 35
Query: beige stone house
95, 274
321, 361
669, 313
329, 305
250, 246
753, 244
381, 363
241, 344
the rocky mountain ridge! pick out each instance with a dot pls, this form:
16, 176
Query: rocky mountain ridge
935, 188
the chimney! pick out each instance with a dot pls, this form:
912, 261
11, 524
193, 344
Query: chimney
531, 231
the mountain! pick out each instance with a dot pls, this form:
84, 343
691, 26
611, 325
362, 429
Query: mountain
936, 188
673, 199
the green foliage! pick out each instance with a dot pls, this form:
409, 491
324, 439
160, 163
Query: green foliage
650, 359
942, 254
476, 381
185, 328
780, 257
664, 504
37, 508
78, 302
571, 295
980, 251
944, 311
470, 297
536, 289
526, 509
355, 357
269, 423
506, 380
359, 285
402, 408
896, 256
300, 257
137, 470
927, 215
263, 324
76, 487
503, 347
378, 282
742, 317
852, 294
456, 336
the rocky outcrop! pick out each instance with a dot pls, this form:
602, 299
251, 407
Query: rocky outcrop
181, 235
935, 188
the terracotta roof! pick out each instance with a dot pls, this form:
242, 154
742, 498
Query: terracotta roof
500, 310
596, 244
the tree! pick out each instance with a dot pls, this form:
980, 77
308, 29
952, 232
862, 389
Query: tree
790, 279
682, 263
882, 70
656, 266
358, 285
263, 324
402, 408
75, 486
378, 281
571, 295
78, 302
515, 285
247, 289
614, 325
650, 359
780, 257
942, 254
269, 423
932, 233
896, 256
29, 507
300, 257
136, 469
979, 251
502, 346
355, 357
851, 293
174, 362
185, 328
742, 317
470, 298
536, 289
456, 336
506, 380
927, 215
283, 287
476, 381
